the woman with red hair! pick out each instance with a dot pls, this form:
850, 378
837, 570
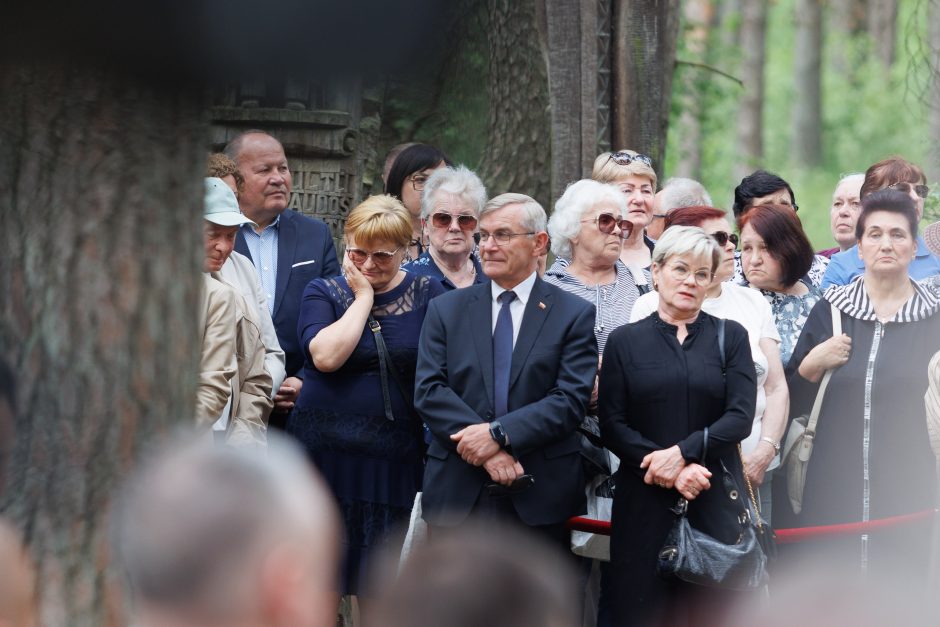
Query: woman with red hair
775, 256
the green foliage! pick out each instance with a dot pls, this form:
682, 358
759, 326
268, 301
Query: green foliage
868, 113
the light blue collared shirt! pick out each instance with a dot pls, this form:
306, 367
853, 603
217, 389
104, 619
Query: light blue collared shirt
263, 249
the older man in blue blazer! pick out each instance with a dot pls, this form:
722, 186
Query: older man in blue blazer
505, 372
287, 248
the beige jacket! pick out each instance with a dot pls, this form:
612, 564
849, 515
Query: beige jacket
932, 400
218, 366
252, 385
240, 273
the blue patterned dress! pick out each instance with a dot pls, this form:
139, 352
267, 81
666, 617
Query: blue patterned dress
790, 314
373, 465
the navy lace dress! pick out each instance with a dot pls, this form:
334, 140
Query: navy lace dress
373, 465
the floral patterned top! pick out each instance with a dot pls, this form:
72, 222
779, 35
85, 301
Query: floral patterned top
790, 314
932, 283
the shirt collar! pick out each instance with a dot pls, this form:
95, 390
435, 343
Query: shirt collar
523, 290
853, 300
273, 225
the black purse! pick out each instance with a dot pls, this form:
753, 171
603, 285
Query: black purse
695, 557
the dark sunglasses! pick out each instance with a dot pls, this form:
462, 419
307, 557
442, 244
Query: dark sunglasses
920, 190
723, 238
442, 220
379, 257
607, 222
623, 157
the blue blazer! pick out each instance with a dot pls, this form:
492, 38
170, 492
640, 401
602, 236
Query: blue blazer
305, 252
552, 375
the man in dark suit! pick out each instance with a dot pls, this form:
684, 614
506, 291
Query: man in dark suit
287, 248
505, 372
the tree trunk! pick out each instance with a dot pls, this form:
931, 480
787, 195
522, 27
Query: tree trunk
807, 105
518, 154
563, 51
101, 197
750, 127
699, 15
883, 29
847, 21
933, 102
643, 61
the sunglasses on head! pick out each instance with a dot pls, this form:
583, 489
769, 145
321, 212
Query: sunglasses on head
723, 238
607, 222
379, 257
442, 220
921, 190
623, 157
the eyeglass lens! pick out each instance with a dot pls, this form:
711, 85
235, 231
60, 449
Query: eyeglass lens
722, 238
464, 221
358, 255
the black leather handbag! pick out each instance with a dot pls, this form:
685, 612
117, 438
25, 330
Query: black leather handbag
696, 557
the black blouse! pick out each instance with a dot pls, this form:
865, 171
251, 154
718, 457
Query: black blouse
655, 392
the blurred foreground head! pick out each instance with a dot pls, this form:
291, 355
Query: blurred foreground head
212, 535
476, 576
17, 581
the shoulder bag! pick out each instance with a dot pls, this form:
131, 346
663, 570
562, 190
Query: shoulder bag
798, 445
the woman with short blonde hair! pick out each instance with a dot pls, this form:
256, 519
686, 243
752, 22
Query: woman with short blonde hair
355, 414
634, 175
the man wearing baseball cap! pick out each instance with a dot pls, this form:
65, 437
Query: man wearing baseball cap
243, 420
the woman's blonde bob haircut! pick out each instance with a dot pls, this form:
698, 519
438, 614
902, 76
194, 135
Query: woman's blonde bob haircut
606, 170
379, 219
687, 240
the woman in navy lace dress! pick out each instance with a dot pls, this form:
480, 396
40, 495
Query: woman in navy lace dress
369, 451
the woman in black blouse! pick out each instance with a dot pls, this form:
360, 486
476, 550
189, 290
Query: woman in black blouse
661, 386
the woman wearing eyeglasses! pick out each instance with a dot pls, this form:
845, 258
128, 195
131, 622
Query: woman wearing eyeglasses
406, 180
450, 210
633, 173
898, 174
776, 255
724, 299
587, 230
662, 384
355, 414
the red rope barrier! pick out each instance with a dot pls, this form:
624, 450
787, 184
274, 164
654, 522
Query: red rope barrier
786, 536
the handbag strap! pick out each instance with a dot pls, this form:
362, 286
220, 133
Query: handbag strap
817, 404
383, 365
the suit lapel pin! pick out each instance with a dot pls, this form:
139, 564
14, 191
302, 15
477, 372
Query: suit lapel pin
541, 305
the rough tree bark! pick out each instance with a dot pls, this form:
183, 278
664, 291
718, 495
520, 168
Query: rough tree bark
643, 58
518, 154
807, 105
563, 52
750, 127
883, 30
100, 194
699, 15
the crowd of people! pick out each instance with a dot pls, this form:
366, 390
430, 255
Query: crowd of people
445, 376
444, 358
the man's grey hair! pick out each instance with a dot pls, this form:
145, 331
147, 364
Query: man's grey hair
460, 181
192, 528
579, 197
687, 240
533, 215
845, 177
234, 147
680, 192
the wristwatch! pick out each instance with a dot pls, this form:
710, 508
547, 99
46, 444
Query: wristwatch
497, 433
776, 445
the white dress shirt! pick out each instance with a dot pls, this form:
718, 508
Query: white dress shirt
516, 307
